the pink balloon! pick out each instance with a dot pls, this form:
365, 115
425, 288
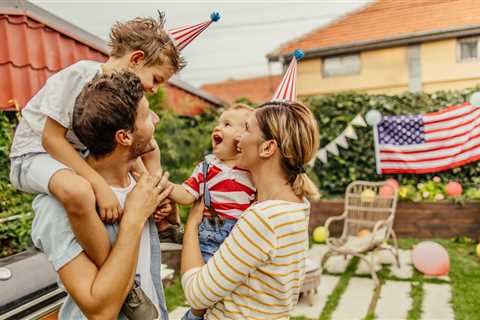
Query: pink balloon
386, 190
431, 258
453, 189
393, 183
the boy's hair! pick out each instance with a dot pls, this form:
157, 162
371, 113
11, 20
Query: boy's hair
105, 105
147, 35
240, 106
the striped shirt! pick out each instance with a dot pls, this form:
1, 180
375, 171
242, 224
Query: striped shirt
258, 270
231, 189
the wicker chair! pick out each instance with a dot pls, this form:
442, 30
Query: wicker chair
364, 211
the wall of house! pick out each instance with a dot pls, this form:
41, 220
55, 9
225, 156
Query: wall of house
381, 71
441, 69
386, 71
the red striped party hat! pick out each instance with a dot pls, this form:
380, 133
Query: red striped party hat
184, 35
287, 90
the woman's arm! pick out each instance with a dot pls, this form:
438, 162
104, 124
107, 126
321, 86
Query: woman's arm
251, 243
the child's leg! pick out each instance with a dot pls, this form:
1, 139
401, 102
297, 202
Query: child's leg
78, 198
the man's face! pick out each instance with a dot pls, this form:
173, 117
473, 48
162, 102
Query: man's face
144, 128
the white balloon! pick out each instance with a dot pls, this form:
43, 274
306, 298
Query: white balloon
373, 117
475, 99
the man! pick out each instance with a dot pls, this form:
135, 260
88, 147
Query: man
112, 119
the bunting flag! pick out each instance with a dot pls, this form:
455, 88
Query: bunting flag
182, 36
341, 141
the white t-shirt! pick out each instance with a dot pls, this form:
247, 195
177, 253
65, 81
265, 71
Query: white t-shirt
56, 99
144, 257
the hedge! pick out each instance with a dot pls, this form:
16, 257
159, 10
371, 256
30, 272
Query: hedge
334, 112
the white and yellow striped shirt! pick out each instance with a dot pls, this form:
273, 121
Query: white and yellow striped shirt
258, 270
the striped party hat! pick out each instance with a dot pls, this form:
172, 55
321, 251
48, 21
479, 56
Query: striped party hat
182, 36
287, 90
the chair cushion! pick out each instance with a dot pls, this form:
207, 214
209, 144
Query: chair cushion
365, 243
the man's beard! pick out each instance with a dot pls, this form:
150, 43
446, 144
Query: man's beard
141, 147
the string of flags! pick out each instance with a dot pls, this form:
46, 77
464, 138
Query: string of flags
341, 140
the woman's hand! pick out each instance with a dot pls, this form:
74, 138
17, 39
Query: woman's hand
195, 215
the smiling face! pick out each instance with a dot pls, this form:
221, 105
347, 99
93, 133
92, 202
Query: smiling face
229, 126
144, 128
248, 143
153, 76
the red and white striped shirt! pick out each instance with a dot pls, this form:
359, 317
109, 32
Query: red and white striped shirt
231, 189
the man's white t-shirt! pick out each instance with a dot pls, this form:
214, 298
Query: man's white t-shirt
144, 257
56, 100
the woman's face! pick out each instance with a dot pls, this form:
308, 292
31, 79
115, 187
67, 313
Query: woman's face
248, 144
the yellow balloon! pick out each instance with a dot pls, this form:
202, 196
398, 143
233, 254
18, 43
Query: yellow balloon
368, 195
478, 250
320, 234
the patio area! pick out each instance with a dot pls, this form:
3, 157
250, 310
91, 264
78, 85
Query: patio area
346, 290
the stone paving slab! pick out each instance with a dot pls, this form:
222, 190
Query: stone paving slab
178, 313
363, 267
355, 300
394, 301
436, 302
327, 285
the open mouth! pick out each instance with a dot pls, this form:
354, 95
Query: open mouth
217, 139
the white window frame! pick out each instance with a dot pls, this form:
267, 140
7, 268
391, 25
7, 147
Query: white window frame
459, 49
356, 69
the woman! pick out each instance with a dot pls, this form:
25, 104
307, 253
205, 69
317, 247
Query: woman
258, 270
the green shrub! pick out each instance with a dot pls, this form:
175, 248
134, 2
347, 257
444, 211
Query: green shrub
334, 112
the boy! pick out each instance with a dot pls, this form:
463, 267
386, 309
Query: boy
45, 154
227, 190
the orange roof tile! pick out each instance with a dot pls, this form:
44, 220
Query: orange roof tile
257, 90
387, 19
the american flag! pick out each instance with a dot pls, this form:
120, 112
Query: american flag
430, 142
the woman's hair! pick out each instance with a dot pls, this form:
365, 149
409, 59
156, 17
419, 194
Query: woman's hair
294, 128
149, 36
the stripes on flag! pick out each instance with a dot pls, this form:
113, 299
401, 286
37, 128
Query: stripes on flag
428, 143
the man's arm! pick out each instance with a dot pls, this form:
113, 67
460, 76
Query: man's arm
100, 293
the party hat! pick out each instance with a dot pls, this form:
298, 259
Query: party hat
184, 35
287, 90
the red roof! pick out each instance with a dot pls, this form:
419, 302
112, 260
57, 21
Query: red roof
387, 19
257, 90
30, 53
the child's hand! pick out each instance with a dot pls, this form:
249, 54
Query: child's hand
163, 210
108, 206
195, 216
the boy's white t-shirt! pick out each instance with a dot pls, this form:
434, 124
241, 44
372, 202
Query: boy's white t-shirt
144, 254
56, 99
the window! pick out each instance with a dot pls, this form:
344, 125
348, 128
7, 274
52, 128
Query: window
341, 65
467, 49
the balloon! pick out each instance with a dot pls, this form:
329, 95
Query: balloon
386, 191
431, 258
320, 234
393, 183
363, 233
453, 189
367, 195
478, 250
475, 99
373, 117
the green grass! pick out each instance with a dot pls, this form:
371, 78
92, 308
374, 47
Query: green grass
174, 295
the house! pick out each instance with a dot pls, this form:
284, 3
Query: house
35, 44
256, 90
391, 46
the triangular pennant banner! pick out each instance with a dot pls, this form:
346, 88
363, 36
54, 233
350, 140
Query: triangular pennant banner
342, 141
322, 155
332, 148
350, 132
358, 121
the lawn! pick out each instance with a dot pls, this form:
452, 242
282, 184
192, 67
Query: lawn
464, 279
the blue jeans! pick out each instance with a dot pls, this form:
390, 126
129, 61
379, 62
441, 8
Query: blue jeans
212, 236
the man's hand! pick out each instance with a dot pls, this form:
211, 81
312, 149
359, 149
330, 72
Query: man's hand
163, 210
108, 205
149, 192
